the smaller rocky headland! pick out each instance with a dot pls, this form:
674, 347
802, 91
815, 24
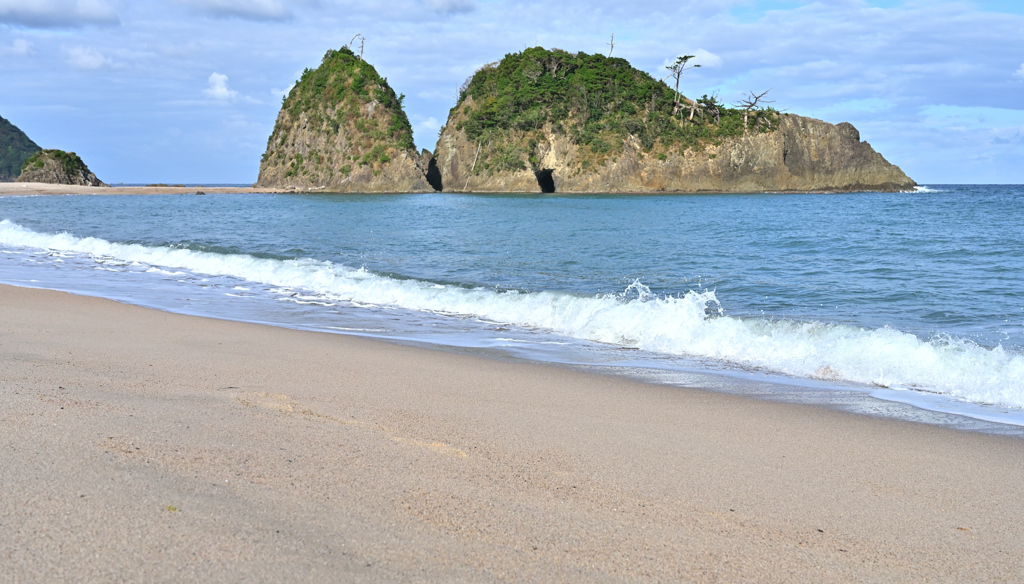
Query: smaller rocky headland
342, 128
58, 167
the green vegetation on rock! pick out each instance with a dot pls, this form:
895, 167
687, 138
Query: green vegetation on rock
69, 161
15, 149
333, 96
57, 167
596, 101
341, 124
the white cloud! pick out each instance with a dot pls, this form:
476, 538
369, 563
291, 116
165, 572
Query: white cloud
87, 58
218, 88
1020, 72
700, 57
247, 9
282, 92
430, 123
57, 13
451, 6
706, 58
18, 48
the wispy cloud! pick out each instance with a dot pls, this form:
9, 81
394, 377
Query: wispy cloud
281, 92
87, 58
18, 48
1020, 72
244, 9
451, 6
57, 13
429, 124
700, 57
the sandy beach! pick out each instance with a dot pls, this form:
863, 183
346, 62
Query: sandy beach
137, 445
25, 188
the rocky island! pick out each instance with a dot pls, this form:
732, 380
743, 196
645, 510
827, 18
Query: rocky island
554, 121
342, 129
550, 120
58, 167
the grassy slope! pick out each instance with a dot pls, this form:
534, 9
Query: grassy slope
15, 149
596, 101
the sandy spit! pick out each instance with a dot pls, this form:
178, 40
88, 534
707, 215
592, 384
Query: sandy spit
142, 446
21, 188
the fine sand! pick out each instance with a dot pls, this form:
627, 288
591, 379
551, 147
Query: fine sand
21, 188
141, 446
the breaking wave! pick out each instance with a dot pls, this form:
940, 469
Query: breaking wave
691, 324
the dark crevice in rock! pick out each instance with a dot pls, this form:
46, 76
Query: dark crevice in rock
434, 175
546, 180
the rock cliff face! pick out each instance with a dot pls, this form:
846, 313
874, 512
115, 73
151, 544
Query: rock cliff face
58, 167
15, 149
342, 129
551, 121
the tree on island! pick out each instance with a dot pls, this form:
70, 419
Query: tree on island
709, 106
676, 72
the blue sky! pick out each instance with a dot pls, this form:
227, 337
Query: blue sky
188, 90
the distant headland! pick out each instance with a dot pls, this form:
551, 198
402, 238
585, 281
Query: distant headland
22, 160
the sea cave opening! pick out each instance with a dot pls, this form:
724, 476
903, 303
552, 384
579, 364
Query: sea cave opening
434, 175
546, 180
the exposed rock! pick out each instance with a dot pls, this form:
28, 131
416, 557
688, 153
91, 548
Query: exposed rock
551, 121
58, 167
343, 129
15, 149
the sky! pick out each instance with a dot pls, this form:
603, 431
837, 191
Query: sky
187, 91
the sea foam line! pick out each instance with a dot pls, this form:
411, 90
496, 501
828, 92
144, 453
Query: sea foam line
691, 324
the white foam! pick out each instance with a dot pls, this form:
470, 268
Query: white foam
924, 189
692, 324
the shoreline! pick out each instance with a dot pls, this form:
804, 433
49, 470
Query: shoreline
860, 399
18, 188
142, 444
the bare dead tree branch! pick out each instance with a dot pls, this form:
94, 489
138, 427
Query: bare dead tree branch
612, 45
362, 40
752, 102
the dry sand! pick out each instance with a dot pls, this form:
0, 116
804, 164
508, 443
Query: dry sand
138, 446
16, 188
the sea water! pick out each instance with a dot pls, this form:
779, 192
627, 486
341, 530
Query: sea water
914, 298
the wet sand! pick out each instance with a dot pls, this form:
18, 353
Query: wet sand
137, 445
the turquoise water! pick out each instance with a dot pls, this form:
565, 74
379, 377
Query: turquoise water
910, 294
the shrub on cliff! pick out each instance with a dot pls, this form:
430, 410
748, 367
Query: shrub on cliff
69, 161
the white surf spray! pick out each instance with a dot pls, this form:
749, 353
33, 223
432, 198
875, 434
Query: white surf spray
692, 324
